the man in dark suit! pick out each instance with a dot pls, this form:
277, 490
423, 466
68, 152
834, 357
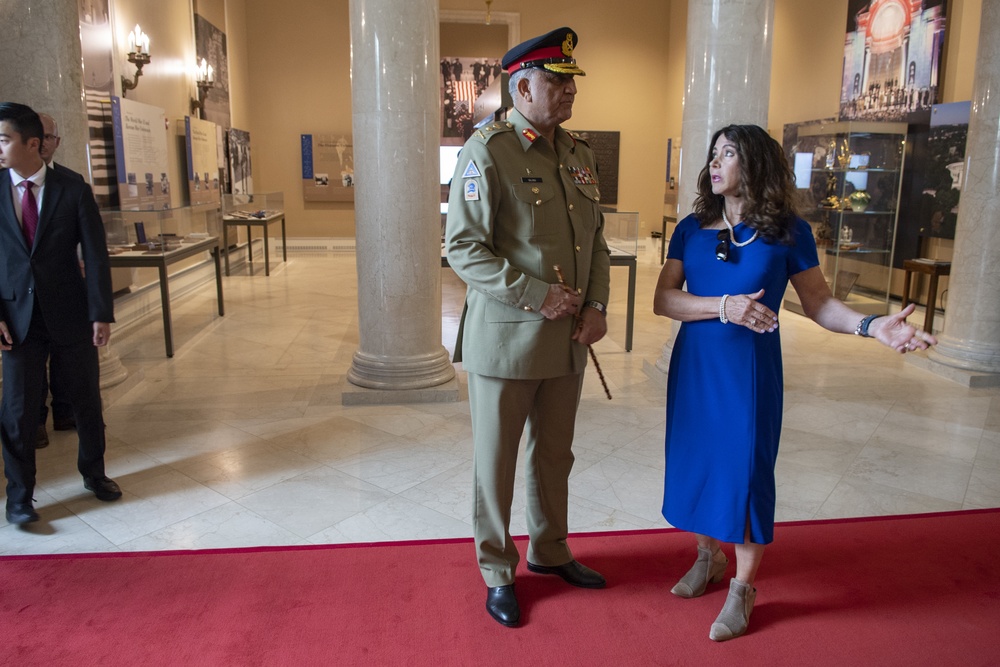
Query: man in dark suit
62, 411
48, 307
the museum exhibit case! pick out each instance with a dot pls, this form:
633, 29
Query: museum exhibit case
256, 206
848, 177
131, 231
139, 239
621, 233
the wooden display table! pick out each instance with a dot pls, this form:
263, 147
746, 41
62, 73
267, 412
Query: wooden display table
249, 223
929, 267
160, 261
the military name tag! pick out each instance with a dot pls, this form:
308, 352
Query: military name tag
530, 179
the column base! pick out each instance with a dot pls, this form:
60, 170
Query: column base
111, 394
655, 373
449, 392
373, 371
967, 378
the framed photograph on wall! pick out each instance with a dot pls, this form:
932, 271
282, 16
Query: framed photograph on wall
463, 81
240, 165
210, 46
893, 57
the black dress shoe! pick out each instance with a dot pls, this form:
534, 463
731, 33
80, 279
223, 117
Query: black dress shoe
103, 487
19, 515
64, 424
572, 573
502, 605
41, 437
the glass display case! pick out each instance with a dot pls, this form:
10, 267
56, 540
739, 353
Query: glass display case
141, 240
848, 176
621, 232
133, 232
253, 206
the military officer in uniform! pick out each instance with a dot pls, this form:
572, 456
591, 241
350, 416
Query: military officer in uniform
525, 233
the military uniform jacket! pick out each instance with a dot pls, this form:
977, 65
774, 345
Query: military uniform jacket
516, 210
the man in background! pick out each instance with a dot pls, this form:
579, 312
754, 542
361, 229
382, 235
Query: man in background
47, 306
62, 411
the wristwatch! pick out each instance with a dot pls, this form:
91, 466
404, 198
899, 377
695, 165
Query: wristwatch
598, 306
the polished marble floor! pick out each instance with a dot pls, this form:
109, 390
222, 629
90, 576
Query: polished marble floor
241, 438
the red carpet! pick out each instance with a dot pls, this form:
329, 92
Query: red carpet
916, 590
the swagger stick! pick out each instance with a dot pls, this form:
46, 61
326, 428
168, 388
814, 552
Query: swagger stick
590, 348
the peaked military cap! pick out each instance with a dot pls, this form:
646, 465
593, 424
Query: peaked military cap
552, 51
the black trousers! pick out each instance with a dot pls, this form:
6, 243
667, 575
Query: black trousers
24, 389
61, 409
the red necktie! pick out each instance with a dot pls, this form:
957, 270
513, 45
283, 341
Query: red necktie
29, 212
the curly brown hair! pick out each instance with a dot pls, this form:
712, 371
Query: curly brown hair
768, 184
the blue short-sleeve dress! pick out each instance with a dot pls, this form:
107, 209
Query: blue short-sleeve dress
724, 390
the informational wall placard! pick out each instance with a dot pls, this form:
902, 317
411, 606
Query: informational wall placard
606, 147
327, 167
202, 161
141, 157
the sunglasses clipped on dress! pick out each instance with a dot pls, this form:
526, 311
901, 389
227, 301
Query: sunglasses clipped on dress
722, 250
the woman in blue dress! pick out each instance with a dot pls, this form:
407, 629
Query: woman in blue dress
737, 252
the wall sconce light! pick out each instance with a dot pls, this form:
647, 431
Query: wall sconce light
138, 55
489, 17
205, 80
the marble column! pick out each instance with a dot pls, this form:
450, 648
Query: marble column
396, 114
969, 348
43, 68
727, 78
727, 81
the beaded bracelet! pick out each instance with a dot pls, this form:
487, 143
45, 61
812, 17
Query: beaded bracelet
722, 309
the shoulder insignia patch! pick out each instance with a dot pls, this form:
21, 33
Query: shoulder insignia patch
471, 191
471, 171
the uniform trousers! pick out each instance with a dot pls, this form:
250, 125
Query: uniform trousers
23, 394
500, 409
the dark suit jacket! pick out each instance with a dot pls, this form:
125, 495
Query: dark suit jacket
66, 170
50, 270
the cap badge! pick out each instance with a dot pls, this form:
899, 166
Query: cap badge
567, 45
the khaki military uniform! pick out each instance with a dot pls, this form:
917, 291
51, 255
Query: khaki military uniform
517, 209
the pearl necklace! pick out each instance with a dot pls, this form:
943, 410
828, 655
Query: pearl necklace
732, 232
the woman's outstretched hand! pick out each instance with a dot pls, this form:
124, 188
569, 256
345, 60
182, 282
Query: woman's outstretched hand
895, 332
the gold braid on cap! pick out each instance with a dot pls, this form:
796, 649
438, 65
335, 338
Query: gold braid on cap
557, 65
